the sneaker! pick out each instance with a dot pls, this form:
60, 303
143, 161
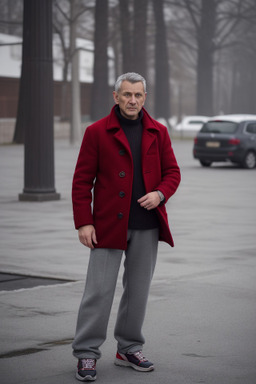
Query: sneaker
86, 370
134, 360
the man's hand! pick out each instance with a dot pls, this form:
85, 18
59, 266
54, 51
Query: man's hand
150, 200
87, 236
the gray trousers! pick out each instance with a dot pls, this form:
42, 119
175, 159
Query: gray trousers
95, 307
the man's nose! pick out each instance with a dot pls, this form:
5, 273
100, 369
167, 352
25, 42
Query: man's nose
133, 99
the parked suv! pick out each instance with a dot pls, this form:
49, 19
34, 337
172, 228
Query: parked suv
227, 138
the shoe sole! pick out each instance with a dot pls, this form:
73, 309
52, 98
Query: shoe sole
86, 378
123, 363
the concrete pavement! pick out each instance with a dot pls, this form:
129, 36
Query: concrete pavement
200, 326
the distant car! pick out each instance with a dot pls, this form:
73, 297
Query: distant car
191, 123
227, 138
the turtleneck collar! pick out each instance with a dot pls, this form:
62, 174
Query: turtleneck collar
125, 121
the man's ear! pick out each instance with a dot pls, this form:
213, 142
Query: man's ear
115, 96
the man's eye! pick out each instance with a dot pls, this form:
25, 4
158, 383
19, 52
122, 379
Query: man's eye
138, 95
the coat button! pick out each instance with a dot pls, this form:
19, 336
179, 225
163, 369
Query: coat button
122, 152
122, 194
120, 215
122, 174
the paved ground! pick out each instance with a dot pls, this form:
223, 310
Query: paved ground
200, 326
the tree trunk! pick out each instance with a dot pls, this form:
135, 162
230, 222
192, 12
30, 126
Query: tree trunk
162, 88
64, 94
75, 127
245, 86
252, 88
140, 37
20, 125
205, 58
126, 35
100, 89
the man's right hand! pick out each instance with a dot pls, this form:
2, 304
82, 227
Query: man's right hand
87, 236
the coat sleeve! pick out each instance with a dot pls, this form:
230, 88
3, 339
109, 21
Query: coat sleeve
170, 171
83, 180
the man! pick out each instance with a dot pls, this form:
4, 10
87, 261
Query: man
127, 160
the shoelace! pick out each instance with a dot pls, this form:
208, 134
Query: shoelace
140, 356
88, 364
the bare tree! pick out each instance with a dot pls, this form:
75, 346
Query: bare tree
61, 22
100, 91
162, 77
114, 37
243, 55
140, 37
71, 16
126, 35
204, 28
75, 126
21, 120
11, 17
205, 38
133, 27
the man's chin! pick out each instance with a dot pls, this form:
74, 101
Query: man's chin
132, 114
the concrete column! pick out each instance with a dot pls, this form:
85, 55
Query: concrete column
38, 107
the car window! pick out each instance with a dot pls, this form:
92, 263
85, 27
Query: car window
219, 127
251, 128
195, 122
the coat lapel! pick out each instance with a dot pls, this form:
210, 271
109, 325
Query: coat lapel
147, 140
149, 133
120, 136
114, 127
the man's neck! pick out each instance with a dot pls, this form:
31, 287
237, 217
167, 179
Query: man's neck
123, 119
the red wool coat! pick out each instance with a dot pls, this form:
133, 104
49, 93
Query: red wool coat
105, 166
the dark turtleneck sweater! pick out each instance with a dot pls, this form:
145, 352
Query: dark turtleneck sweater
139, 218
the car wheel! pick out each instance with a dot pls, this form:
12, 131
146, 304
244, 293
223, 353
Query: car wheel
205, 163
249, 161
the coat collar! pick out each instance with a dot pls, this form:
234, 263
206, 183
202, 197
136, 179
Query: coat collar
148, 137
147, 121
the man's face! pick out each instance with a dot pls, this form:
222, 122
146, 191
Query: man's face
130, 98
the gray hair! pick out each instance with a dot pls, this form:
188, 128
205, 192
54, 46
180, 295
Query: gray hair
132, 77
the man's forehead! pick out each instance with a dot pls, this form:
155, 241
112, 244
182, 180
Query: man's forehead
132, 87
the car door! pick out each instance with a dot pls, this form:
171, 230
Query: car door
251, 132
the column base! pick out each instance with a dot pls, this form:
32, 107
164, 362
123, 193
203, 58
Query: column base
39, 196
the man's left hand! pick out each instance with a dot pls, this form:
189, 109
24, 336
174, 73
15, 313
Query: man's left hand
149, 201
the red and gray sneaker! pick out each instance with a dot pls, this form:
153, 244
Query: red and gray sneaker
134, 360
86, 370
